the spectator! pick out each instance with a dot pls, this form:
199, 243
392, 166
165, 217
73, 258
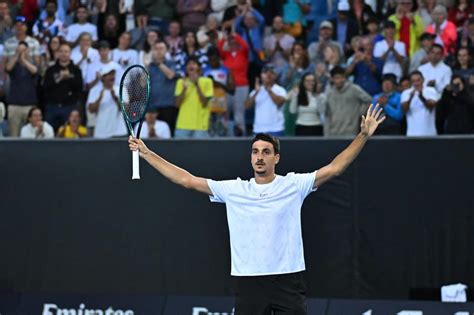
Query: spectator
123, 55
316, 49
160, 12
445, 31
22, 61
145, 55
391, 51
320, 11
460, 13
332, 58
421, 55
193, 93
192, 13
346, 102
103, 100
404, 84
93, 72
234, 53
84, 56
36, 127
389, 100
367, 70
278, 45
373, 31
62, 7
163, 82
361, 12
345, 27
467, 37
268, 100
62, 88
309, 107
72, 129
209, 34
250, 25
464, 65
419, 104
455, 110
435, 72
174, 39
299, 64
6, 30
232, 12
294, 16
409, 26
190, 49
22, 73
109, 27
75, 30
50, 26
425, 10
223, 85
52, 52
152, 128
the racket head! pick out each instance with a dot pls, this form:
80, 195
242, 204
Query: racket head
134, 95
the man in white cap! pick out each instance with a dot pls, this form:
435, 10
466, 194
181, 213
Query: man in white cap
316, 49
104, 101
345, 27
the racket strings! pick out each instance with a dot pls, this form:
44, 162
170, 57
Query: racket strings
135, 94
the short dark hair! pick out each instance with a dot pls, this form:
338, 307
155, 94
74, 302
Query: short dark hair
436, 45
390, 77
338, 70
417, 72
268, 138
193, 59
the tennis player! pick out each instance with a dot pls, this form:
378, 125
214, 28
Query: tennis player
264, 219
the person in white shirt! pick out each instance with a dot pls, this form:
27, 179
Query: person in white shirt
268, 100
435, 72
391, 51
123, 54
264, 218
84, 56
153, 128
93, 76
419, 102
36, 127
76, 29
103, 100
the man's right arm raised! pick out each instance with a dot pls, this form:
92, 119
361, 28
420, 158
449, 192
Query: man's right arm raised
174, 173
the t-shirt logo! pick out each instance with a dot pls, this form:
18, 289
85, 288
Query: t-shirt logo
263, 195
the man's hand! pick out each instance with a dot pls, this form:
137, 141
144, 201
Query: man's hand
372, 120
137, 144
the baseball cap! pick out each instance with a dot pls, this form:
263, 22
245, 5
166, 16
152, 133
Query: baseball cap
343, 6
268, 67
427, 35
325, 24
20, 19
389, 24
107, 68
103, 44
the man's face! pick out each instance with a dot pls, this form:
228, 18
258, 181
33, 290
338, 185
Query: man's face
51, 9
388, 86
278, 23
249, 20
436, 55
159, 51
104, 53
389, 32
21, 28
438, 16
268, 77
405, 85
325, 33
86, 41
64, 53
263, 157
338, 80
82, 15
109, 79
174, 29
417, 81
405, 6
427, 43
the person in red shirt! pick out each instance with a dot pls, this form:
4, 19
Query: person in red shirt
445, 31
234, 52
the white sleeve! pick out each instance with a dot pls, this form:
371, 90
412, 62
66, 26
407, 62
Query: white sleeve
48, 130
400, 47
431, 94
405, 96
94, 33
93, 96
378, 50
220, 189
304, 182
280, 91
252, 93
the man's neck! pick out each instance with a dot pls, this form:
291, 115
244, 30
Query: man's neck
64, 63
21, 37
264, 179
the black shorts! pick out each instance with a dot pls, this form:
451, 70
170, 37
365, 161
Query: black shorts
267, 295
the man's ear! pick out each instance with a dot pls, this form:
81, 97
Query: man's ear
277, 158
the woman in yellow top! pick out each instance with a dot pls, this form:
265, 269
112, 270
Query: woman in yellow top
193, 93
409, 25
73, 128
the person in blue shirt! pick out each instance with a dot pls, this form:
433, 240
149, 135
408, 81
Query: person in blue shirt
389, 100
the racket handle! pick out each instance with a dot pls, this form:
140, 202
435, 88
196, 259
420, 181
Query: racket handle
135, 165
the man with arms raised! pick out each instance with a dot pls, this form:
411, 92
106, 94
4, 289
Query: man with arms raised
264, 219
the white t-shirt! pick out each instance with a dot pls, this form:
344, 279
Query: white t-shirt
268, 115
420, 120
264, 222
86, 65
162, 130
109, 120
125, 59
391, 64
29, 132
76, 29
441, 73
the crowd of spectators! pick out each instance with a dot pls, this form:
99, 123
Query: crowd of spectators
236, 67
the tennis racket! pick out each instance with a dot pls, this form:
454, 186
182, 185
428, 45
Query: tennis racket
134, 96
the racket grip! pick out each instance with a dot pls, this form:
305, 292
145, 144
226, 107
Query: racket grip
135, 165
